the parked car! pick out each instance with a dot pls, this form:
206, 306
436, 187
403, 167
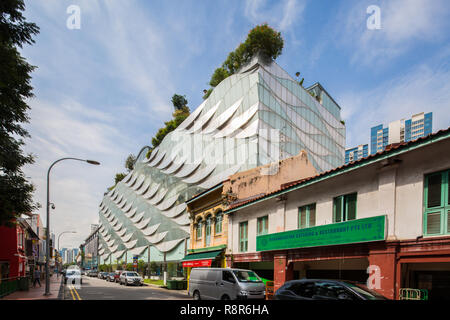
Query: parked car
117, 275
102, 275
73, 276
92, 273
320, 289
131, 277
225, 284
110, 276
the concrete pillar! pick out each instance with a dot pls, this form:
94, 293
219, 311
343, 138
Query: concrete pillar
387, 197
229, 261
282, 270
382, 271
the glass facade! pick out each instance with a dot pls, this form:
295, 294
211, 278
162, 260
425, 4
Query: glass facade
254, 117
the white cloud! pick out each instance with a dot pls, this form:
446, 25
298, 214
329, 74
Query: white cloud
99, 92
425, 88
404, 24
76, 188
282, 14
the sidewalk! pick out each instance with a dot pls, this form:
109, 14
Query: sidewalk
38, 292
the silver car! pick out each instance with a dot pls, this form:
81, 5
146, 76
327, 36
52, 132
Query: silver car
73, 276
130, 277
225, 284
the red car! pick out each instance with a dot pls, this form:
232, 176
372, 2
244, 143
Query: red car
117, 275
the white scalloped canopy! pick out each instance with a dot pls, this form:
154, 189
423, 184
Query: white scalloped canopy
222, 118
157, 159
131, 244
151, 192
159, 197
198, 124
138, 251
193, 116
175, 165
143, 223
237, 122
118, 254
151, 230
175, 211
131, 213
200, 174
168, 245
138, 218
158, 237
187, 170
127, 237
168, 203
143, 188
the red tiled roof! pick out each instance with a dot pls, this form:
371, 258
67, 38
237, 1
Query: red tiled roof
386, 150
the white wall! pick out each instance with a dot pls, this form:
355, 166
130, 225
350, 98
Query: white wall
395, 190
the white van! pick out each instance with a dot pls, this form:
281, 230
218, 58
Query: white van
225, 284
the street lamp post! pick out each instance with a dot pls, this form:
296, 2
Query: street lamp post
61, 235
47, 232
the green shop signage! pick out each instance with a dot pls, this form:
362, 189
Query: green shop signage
353, 231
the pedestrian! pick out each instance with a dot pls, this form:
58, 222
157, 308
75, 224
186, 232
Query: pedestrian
37, 277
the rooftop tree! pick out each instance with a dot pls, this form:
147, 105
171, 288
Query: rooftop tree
262, 40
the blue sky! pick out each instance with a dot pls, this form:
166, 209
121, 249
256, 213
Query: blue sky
102, 91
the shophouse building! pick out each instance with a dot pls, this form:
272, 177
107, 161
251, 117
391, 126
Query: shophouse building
209, 227
17, 250
383, 220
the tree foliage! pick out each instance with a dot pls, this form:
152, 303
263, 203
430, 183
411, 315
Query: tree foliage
129, 162
15, 88
119, 177
262, 40
179, 102
178, 116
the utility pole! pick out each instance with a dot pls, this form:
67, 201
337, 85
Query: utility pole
148, 261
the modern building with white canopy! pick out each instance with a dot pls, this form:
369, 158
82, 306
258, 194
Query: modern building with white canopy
254, 117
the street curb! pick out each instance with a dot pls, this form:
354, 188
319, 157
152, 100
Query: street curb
62, 289
165, 288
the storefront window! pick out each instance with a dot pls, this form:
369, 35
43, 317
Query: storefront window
437, 203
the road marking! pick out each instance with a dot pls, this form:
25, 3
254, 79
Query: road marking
76, 292
70, 290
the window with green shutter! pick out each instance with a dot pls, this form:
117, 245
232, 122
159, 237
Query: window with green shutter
199, 230
218, 223
243, 236
262, 225
307, 216
436, 218
344, 208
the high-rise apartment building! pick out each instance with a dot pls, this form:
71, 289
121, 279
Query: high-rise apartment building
356, 153
420, 125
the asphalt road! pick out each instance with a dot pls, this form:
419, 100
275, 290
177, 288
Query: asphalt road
97, 289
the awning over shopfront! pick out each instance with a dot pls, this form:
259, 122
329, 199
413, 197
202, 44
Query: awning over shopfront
201, 259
